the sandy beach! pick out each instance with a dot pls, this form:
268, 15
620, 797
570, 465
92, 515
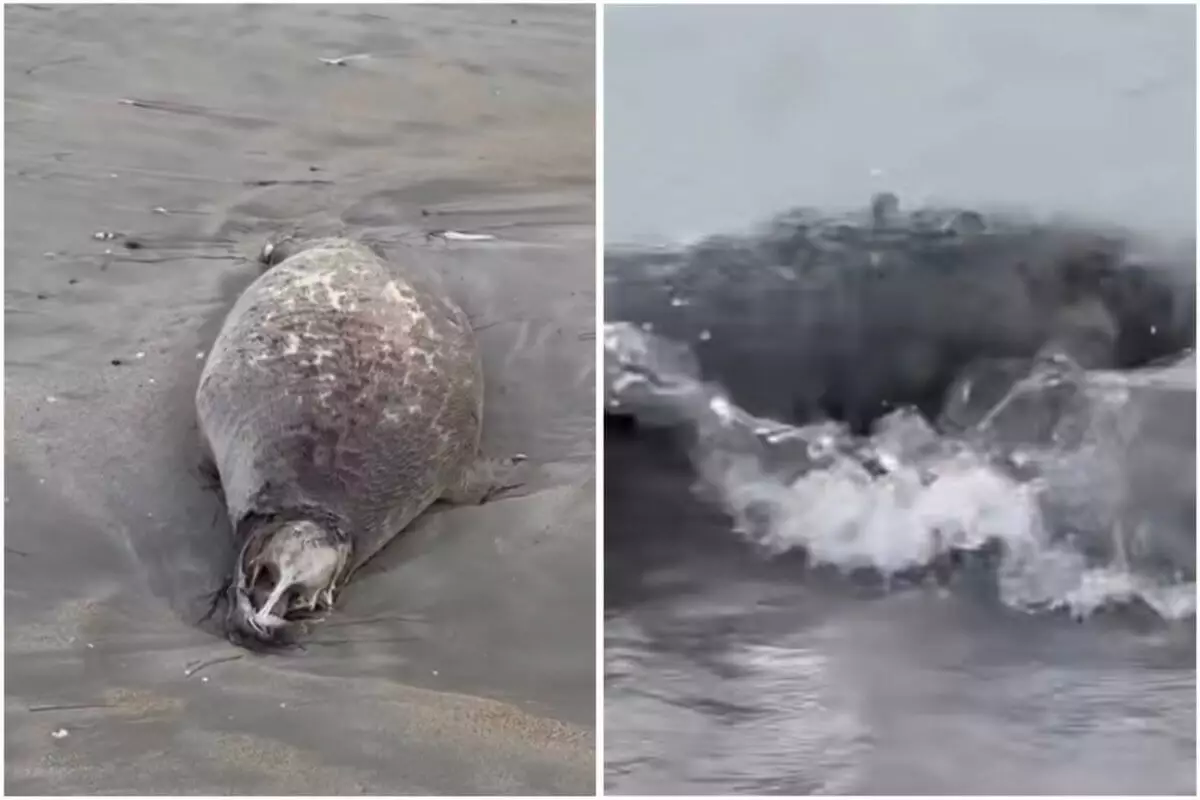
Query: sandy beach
150, 151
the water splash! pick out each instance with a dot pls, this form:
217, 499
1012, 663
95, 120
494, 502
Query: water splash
1038, 476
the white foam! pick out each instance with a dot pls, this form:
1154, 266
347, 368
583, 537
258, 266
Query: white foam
925, 497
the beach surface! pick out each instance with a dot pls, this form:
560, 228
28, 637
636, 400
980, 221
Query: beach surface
150, 152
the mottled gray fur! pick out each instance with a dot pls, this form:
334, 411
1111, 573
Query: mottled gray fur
339, 392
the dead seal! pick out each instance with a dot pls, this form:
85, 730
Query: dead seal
340, 400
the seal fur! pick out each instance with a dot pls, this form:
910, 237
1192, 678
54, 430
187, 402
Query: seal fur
339, 401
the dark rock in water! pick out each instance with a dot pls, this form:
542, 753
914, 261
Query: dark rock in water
850, 317
885, 209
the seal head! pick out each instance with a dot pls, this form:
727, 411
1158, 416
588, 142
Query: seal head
284, 572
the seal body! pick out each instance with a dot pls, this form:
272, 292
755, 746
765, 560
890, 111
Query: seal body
339, 401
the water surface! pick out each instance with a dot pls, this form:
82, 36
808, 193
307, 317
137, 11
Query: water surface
731, 670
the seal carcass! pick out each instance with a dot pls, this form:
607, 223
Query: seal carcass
339, 401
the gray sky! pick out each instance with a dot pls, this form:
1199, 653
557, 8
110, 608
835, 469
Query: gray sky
718, 116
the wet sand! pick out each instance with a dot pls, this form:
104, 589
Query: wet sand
462, 660
731, 671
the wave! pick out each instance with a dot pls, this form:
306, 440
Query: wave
1053, 438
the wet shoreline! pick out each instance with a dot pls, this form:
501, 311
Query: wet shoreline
475, 119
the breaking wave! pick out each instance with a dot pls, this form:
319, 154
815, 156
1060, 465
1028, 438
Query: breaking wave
1038, 468
1038, 482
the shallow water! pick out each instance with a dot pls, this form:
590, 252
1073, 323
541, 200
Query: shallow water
748, 650
196, 132
736, 668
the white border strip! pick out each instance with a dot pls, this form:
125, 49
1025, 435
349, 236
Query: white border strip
599, 398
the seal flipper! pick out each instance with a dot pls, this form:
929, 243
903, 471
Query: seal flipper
210, 481
209, 476
484, 480
214, 599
